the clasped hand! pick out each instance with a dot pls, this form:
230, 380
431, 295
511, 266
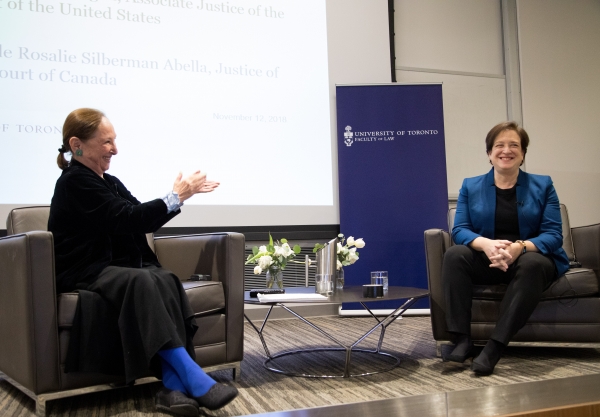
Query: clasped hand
501, 253
193, 184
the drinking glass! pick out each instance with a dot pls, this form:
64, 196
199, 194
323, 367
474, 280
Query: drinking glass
324, 284
381, 278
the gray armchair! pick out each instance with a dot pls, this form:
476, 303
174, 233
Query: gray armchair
569, 313
35, 322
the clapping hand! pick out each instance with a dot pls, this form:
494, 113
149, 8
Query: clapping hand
193, 184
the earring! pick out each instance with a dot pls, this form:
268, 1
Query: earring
78, 152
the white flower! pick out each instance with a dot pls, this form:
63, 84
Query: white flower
287, 250
346, 250
283, 250
265, 261
274, 255
352, 256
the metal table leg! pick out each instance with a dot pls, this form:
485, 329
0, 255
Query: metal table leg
382, 324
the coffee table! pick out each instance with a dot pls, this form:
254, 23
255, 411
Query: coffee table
346, 295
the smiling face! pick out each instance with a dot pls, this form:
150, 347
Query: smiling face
506, 154
97, 151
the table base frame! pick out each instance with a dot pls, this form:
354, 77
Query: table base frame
348, 349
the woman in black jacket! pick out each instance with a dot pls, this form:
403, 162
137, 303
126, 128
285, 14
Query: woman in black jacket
101, 251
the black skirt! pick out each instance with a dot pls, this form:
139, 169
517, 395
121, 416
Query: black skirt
125, 317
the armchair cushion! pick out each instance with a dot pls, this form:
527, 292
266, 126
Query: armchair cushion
577, 282
66, 305
205, 298
26, 219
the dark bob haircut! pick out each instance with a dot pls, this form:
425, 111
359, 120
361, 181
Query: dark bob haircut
501, 127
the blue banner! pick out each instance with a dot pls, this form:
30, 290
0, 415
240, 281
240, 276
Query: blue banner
392, 178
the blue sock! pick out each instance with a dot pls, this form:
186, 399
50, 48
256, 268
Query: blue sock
193, 378
170, 378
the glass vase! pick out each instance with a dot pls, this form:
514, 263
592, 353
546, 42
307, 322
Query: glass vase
339, 279
274, 278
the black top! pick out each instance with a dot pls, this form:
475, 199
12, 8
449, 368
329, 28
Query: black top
507, 217
96, 222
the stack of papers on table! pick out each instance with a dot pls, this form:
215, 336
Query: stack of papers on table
289, 298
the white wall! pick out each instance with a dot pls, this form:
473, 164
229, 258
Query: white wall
559, 45
457, 35
459, 43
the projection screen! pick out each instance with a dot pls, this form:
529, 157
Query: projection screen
243, 90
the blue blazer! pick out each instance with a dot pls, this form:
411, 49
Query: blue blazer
537, 207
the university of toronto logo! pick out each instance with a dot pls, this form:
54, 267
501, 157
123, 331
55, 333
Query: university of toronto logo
348, 136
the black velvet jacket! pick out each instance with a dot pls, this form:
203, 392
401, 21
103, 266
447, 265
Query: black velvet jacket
96, 222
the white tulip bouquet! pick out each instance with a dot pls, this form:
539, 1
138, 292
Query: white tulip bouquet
346, 250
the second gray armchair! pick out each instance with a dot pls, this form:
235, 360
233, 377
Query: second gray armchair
569, 312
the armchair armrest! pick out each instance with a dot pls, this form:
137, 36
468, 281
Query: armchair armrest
29, 351
436, 243
586, 241
220, 255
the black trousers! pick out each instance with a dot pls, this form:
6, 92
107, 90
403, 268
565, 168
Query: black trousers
527, 278
125, 317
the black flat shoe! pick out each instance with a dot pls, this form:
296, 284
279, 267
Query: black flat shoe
481, 369
487, 360
176, 402
217, 396
452, 357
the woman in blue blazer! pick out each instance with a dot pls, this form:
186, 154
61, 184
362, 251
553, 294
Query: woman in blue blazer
507, 230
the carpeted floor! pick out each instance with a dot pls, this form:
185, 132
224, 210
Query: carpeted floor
419, 372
